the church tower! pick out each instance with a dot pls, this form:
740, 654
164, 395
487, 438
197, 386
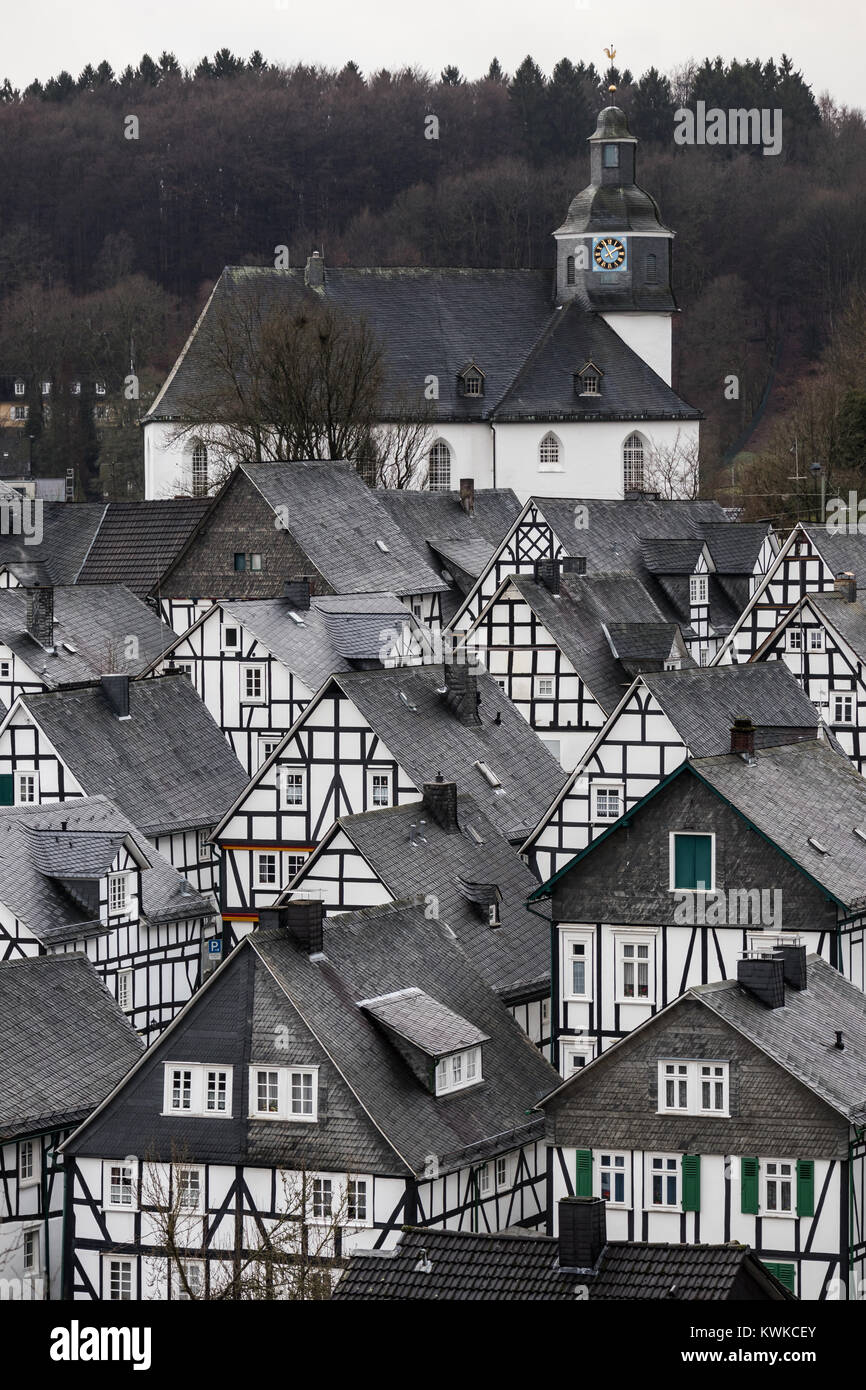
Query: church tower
613, 252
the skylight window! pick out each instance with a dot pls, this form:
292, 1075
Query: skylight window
860, 832
489, 775
383, 547
296, 618
816, 844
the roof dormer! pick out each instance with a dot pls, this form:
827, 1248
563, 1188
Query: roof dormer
470, 381
587, 380
442, 1049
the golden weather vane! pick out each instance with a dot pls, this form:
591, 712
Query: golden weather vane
611, 53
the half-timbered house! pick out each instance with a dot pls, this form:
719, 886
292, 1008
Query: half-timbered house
371, 739
80, 877
64, 1044
366, 1054
726, 852
256, 663
659, 721
565, 645
808, 562
150, 746
55, 636
446, 853
736, 1115
288, 521
822, 641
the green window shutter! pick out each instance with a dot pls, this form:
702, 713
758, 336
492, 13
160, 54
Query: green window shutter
749, 1186
7, 789
805, 1187
691, 1182
693, 861
583, 1173
786, 1274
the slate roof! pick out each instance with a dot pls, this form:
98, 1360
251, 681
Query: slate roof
36, 853
735, 549
68, 529
703, 702
849, 619
672, 556
522, 1267
168, 767
796, 792
95, 620
378, 951
515, 957
64, 1042
337, 521
433, 321
137, 541
405, 708
841, 550
801, 1037
424, 1022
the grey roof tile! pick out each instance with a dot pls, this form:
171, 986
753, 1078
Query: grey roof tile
137, 541
703, 702
424, 1022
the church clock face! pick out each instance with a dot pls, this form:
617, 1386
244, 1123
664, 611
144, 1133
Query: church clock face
608, 253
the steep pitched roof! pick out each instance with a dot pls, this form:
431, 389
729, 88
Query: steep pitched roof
43, 846
137, 541
513, 957
68, 529
433, 321
703, 702
843, 549
168, 767
63, 1040
91, 625
849, 619
521, 1266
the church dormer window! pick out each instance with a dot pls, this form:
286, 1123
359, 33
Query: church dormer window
471, 381
549, 451
611, 156
632, 464
587, 381
652, 274
569, 270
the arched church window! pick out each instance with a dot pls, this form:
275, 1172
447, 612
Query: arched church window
632, 464
199, 470
569, 270
652, 274
549, 451
439, 469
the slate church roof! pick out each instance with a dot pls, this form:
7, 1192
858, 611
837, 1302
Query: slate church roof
63, 1040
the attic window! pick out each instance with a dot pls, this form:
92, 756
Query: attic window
587, 381
494, 914
489, 775
816, 844
698, 588
472, 381
380, 545
458, 1070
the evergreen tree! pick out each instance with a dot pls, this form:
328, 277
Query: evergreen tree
495, 73
528, 93
450, 76
652, 107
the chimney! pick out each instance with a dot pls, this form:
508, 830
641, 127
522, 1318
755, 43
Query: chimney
762, 973
794, 964
314, 273
467, 495
440, 802
461, 685
845, 585
582, 1232
743, 737
574, 564
40, 615
302, 918
548, 572
116, 691
297, 593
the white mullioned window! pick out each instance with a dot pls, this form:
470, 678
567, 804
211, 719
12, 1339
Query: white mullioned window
795, 639
20, 388
118, 1184
267, 869
633, 464
197, 1088
26, 788
357, 1192
118, 892
253, 684
843, 706
607, 799
284, 1093
193, 1274
31, 1250
199, 470
613, 1179
482, 1178
664, 1180
294, 783
28, 1162
124, 990
266, 746
544, 687
778, 1181
118, 1279
190, 1188
574, 1055
816, 639
502, 1174
693, 1088
458, 1070
294, 864
379, 788
322, 1198
439, 467
576, 966
698, 585
549, 454
635, 960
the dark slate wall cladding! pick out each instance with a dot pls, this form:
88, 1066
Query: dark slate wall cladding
241, 521
626, 878
614, 1104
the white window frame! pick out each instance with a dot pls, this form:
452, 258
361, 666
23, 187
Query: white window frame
570, 938
99, 387
607, 786
123, 1265
613, 1167
634, 939
31, 1146
379, 772
675, 1171
187, 1208
292, 770
815, 642
20, 412
124, 990
698, 589
127, 1182
633, 451
459, 1070
777, 1179
259, 881
198, 1284
204, 848
119, 895
794, 639
707, 834
502, 1172
300, 860
20, 388
569, 1048
439, 463
356, 1179
542, 693
688, 1076
550, 454
31, 1237
324, 1216
264, 752
260, 669
844, 695
483, 1185
26, 773
285, 1093
198, 1089
234, 646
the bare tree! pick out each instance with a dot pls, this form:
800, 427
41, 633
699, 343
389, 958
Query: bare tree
673, 470
292, 1256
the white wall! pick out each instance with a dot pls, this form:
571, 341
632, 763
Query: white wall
649, 335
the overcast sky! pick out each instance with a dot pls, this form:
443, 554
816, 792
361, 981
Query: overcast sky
825, 41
